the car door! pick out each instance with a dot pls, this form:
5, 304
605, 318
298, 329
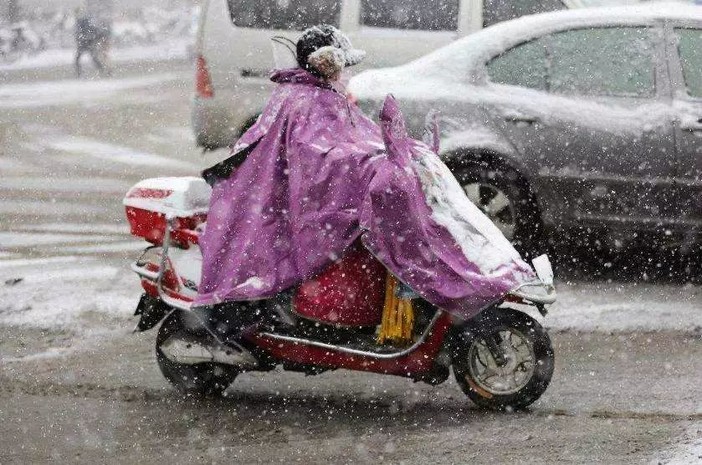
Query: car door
598, 129
685, 54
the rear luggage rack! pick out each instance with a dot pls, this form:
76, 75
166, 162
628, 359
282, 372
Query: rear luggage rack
157, 276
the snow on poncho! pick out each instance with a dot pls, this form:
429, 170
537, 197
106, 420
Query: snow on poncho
318, 175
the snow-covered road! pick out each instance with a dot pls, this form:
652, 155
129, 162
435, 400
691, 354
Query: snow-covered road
73, 91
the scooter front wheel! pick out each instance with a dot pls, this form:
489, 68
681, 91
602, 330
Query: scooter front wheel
503, 359
196, 380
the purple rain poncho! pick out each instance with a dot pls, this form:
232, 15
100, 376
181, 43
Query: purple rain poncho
319, 175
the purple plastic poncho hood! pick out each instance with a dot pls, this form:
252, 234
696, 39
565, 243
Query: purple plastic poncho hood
319, 175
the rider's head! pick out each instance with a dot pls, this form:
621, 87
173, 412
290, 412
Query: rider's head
325, 51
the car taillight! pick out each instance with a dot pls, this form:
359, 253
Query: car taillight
203, 82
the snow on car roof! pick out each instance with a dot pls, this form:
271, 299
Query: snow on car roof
458, 59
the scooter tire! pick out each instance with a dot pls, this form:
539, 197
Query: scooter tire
498, 321
200, 380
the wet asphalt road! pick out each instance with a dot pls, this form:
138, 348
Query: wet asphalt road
68, 154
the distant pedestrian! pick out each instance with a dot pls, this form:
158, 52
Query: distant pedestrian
92, 36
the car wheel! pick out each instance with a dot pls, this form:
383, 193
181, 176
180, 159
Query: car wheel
503, 196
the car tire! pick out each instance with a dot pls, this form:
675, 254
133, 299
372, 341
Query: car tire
503, 195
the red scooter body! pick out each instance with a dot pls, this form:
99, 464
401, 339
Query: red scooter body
416, 362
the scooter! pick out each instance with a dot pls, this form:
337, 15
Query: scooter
502, 358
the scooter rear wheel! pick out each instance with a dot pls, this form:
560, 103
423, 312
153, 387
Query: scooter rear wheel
199, 380
503, 359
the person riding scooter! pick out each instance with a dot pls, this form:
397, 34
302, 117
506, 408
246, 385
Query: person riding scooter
313, 175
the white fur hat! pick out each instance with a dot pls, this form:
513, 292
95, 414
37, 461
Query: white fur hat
316, 43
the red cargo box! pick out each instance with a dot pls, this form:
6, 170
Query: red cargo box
151, 201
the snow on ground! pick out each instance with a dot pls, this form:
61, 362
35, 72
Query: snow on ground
18, 263
115, 153
166, 134
176, 49
626, 307
74, 91
52, 240
107, 228
66, 293
125, 246
688, 450
26, 239
59, 184
51, 208
7, 165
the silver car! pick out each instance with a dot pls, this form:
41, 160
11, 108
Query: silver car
588, 119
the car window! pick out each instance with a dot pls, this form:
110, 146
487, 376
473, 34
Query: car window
614, 61
495, 11
523, 65
435, 15
284, 14
690, 50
